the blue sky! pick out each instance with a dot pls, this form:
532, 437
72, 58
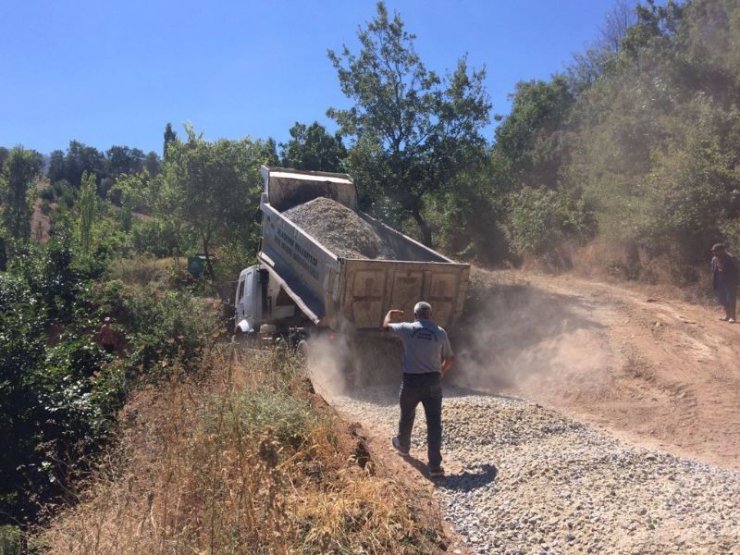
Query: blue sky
114, 73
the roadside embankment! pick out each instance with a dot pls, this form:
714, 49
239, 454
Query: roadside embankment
243, 459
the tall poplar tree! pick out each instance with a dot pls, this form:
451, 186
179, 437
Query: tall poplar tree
19, 173
88, 205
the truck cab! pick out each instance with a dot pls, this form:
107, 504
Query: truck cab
263, 301
248, 301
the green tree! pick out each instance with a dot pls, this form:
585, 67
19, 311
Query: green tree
81, 158
169, 137
88, 206
656, 27
214, 188
312, 148
541, 219
17, 180
56, 166
4, 153
268, 152
412, 130
152, 163
122, 159
531, 138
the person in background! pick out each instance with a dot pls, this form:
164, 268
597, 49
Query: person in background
725, 280
427, 356
107, 338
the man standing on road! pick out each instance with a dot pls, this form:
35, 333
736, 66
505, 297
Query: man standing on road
725, 280
427, 355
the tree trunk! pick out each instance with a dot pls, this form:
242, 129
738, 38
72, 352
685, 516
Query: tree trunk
207, 254
424, 229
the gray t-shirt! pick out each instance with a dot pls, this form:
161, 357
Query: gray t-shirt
425, 344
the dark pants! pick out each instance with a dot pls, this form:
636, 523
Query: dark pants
427, 390
727, 296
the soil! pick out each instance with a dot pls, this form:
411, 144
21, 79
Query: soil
40, 223
651, 369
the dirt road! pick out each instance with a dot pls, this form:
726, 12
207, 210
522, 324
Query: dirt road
655, 371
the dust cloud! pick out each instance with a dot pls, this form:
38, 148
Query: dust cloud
343, 364
326, 362
513, 338
516, 338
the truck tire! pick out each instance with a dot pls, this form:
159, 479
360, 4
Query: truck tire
301, 350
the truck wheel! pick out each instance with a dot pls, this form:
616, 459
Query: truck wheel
301, 350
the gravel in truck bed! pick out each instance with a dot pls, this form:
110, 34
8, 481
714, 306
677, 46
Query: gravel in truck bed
523, 479
340, 229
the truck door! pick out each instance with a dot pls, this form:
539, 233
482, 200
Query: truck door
249, 300
239, 302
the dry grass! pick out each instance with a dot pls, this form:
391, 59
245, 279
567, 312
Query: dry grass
660, 276
249, 462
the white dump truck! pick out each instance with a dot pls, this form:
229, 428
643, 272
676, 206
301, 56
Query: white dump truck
300, 287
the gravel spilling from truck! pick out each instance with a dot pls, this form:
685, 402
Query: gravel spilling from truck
340, 229
524, 479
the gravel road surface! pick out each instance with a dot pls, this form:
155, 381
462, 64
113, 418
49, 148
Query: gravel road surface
523, 479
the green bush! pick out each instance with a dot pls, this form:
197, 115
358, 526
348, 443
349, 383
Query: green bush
10, 540
287, 418
50, 394
159, 238
48, 194
542, 219
59, 392
60, 186
66, 194
168, 330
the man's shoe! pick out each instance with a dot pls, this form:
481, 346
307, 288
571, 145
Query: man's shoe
436, 472
724, 319
731, 320
400, 448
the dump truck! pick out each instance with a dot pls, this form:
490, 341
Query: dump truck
300, 287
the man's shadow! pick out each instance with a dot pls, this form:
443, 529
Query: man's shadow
467, 480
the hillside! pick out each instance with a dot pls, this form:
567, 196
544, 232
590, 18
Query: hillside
581, 416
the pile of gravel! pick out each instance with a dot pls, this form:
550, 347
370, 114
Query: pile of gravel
340, 229
524, 479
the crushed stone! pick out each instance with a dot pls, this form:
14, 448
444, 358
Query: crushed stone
524, 479
341, 230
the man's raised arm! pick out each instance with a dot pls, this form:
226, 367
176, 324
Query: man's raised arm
390, 316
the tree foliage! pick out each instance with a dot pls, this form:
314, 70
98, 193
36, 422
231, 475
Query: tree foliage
17, 187
644, 130
117, 161
59, 391
213, 188
312, 148
169, 137
531, 138
88, 207
412, 131
124, 160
